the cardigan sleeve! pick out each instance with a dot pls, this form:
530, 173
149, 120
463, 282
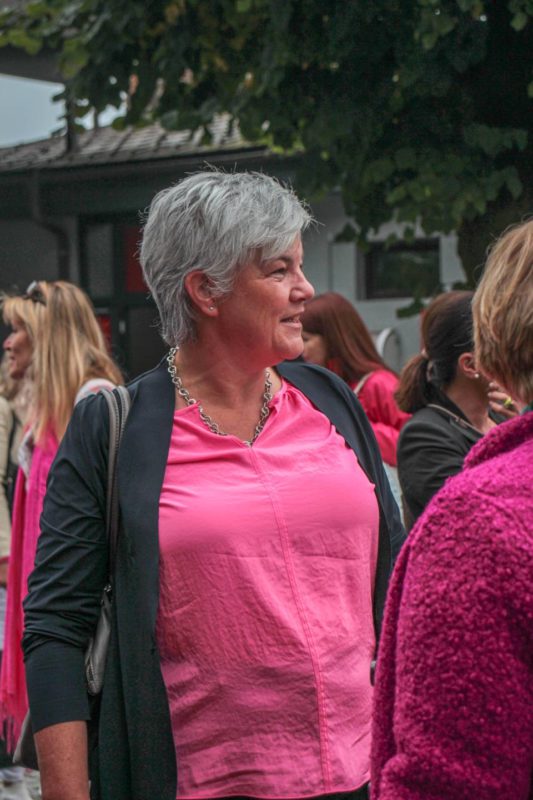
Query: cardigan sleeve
71, 565
453, 712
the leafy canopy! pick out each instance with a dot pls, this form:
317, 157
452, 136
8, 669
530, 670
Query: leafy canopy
418, 110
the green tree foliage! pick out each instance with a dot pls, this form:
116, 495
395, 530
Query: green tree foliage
415, 109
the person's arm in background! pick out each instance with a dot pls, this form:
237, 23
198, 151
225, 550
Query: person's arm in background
453, 712
377, 398
63, 603
6, 423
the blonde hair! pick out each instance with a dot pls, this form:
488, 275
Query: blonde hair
503, 312
19, 310
68, 350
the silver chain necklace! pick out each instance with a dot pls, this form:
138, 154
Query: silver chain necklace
206, 419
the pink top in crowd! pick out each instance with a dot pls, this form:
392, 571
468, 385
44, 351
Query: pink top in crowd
27, 508
377, 398
265, 629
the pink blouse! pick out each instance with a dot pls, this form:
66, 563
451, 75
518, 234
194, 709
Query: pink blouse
265, 631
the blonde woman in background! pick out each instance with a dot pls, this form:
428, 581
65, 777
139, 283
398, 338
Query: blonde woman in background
14, 398
56, 340
14, 401
13, 407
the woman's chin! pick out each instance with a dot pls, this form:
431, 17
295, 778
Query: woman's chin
292, 352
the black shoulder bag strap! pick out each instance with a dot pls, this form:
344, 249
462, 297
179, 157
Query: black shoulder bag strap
118, 402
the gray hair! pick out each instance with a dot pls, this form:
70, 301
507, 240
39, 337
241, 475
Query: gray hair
216, 222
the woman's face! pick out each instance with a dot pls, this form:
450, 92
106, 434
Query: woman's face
315, 351
19, 351
260, 319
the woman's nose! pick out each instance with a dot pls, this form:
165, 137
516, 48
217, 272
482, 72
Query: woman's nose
304, 288
308, 289
7, 342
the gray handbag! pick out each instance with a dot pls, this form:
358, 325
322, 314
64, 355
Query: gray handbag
118, 401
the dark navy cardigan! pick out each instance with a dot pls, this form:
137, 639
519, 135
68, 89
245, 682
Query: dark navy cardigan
132, 756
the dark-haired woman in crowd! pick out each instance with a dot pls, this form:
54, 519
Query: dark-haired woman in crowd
448, 398
336, 337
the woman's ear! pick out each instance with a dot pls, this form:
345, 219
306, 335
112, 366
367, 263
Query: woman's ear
466, 364
200, 290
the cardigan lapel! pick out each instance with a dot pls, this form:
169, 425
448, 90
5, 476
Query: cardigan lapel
141, 470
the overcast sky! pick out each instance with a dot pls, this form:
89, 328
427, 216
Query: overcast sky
28, 112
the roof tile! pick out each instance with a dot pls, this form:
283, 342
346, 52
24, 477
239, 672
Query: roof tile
107, 146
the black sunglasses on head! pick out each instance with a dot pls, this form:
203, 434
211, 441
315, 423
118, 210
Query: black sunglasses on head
34, 293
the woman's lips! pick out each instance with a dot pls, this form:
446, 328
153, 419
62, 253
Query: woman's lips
293, 320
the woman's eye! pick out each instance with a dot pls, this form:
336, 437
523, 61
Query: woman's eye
279, 271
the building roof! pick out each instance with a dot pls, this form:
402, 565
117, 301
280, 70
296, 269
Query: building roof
109, 146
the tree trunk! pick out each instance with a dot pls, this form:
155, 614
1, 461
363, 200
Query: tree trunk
476, 236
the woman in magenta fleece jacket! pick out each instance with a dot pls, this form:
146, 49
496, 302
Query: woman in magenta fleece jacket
453, 705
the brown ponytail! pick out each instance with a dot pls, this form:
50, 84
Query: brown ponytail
414, 389
446, 334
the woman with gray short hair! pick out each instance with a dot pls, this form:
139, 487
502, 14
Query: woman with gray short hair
256, 541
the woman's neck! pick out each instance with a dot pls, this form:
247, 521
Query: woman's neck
472, 401
213, 376
233, 395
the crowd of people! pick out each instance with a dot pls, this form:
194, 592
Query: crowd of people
268, 471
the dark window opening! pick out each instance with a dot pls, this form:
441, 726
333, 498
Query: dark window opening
402, 270
112, 276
